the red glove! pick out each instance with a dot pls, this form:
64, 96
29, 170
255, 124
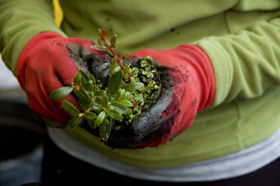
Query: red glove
45, 65
191, 89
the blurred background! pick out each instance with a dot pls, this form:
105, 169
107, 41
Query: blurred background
21, 135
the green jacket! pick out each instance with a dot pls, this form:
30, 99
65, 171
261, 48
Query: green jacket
241, 38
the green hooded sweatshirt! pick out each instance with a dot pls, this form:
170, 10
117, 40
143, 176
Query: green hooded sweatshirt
241, 38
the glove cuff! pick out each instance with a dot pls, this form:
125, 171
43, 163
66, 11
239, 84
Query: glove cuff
30, 50
204, 77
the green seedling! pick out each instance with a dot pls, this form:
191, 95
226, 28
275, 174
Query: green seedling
127, 94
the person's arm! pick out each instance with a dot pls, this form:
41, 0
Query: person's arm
40, 55
21, 20
245, 64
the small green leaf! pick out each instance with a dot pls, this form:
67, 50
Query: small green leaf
98, 100
90, 82
126, 76
100, 31
135, 71
92, 78
69, 108
105, 101
126, 103
129, 110
114, 69
104, 130
144, 63
84, 76
150, 75
75, 121
114, 61
89, 115
101, 43
149, 59
99, 118
119, 107
127, 94
99, 48
127, 69
91, 123
114, 82
96, 107
61, 92
109, 52
85, 105
78, 79
114, 114
116, 96
113, 40
122, 94
125, 56
107, 121
88, 86
91, 95
109, 107
138, 98
130, 87
99, 92
84, 95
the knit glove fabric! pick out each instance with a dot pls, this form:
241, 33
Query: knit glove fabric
48, 62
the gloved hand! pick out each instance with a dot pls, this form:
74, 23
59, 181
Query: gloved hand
50, 61
188, 86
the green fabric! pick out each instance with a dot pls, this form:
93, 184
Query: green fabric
215, 132
20, 20
241, 38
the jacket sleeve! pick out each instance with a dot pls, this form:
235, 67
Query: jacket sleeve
245, 64
20, 20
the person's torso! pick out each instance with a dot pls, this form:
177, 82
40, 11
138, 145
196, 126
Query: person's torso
216, 132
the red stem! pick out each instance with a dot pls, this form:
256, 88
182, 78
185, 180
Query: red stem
135, 103
114, 53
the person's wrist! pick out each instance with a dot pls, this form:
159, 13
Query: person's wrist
201, 68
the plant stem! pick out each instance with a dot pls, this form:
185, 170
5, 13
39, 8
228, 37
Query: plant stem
115, 55
132, 100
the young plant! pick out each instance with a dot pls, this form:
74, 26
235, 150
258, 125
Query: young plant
129, 92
